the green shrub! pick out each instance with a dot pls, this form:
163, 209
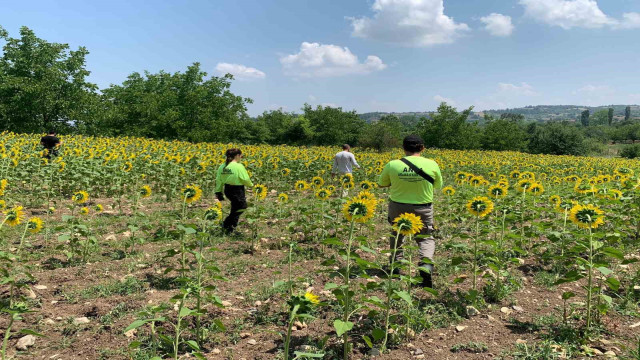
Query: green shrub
631, 152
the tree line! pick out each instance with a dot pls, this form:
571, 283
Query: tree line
44, 86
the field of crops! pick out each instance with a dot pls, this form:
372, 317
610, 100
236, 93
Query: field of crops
113, 250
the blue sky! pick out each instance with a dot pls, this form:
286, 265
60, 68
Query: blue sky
367, 55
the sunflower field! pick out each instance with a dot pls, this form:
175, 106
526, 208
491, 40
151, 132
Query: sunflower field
113, 250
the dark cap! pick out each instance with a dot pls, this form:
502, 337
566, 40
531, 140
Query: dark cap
413, 143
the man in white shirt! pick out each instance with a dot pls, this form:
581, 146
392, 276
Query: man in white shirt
344, 161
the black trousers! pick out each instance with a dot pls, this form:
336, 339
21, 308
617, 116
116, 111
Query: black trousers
235, 194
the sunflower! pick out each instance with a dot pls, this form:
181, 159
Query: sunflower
348, 185
260, 191
84, 210
213, 214
314, 299
515, 174
615, 194
3, 204
366, 185
358, 210
285, 172
201, 168
51, 210
98, 208
477, 181
366, 195
282, 197
317, 181
3, 184
331, 188
584, 188
536, 189
408, 224
14, 216
449, 191
497, 191
34, 225
80, 197
563, 206
323, 194
191, 193
346, 178
462, 176
145, 191
301, 185
555, 200
128, 166
480, 206
524, 185
586, 216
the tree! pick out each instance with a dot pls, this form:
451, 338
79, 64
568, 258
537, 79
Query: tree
383, 134
185, 106
556, 139
503, 134
627, 113
512, 116
600, 117
42, 85
276, 124
332, 126
300, 132
610, 116
449, 129
584, 118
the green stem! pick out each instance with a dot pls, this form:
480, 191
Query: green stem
345, 318
389, 288
6, 337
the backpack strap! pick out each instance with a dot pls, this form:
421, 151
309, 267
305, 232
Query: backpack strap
418, 171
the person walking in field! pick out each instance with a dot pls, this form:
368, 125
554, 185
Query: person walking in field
344, 161
50, 142
231, 179
412, 180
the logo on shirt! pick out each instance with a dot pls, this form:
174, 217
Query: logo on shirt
409, 175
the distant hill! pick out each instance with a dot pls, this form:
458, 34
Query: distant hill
532, 113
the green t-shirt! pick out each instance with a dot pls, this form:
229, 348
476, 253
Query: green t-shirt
232, 174
408, 187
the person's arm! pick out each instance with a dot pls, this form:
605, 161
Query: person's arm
384, 180
353, 160
219, 184
438, 178
243, 176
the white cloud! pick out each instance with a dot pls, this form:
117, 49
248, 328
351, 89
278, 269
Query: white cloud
594, 90
240, 72
318, 60
629, 21
498, 24
441, 99
523, 89
577, 13
312, 98
409, 23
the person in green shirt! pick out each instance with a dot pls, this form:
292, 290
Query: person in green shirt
231, 178
412, 193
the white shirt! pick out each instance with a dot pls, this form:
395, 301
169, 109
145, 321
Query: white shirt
343, 163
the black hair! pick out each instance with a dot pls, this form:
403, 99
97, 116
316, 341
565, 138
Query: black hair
231, 154
413, 143
51, 132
